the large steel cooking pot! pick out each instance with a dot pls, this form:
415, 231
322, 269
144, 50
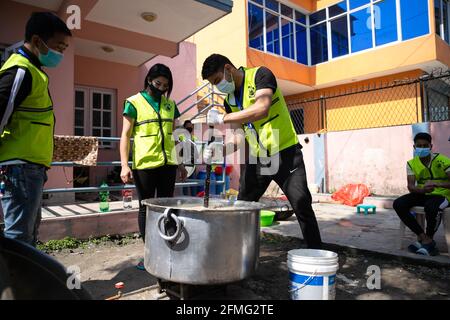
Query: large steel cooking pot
188, 244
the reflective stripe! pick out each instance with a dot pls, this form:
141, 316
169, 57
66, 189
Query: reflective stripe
20, 75
24, 109
145, 122
273, 118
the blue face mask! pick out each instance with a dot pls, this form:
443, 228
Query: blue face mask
226, 86
52, 59
422, 152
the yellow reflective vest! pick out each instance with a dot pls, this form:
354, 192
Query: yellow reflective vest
272, 134
153, 145
435, 173
29, 134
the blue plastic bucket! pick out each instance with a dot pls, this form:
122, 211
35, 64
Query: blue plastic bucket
312, 274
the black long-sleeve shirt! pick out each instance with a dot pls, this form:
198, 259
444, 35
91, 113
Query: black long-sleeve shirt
7, 80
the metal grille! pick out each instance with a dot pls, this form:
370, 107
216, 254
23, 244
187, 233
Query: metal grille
438, 98
399, 103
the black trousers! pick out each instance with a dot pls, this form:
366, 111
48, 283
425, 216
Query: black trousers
433, 206
151, 183
291, 177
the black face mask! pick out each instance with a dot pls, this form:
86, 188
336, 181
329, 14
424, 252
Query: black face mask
155, 91
190, 130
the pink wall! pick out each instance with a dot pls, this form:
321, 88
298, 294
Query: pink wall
61, 89
13, 17
375, 157
125, 80
441, 132
183, 68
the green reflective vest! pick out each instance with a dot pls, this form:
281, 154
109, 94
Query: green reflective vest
436, 173
153, 145
29, 134
272, 134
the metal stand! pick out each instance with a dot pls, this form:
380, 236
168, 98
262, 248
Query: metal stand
167, 287
188, 292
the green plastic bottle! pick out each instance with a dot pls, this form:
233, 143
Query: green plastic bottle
104, 198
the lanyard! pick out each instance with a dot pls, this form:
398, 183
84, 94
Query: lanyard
240, 103
23, 53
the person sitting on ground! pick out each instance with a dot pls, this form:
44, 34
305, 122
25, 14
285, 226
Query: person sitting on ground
429, 186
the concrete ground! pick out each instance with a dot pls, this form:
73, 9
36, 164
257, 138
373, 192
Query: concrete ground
378, 232
339, 225
361, 241
105, 264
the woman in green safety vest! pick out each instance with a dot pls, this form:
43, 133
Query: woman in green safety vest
429, 186
149, 118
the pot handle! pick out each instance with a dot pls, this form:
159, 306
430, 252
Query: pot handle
179, 224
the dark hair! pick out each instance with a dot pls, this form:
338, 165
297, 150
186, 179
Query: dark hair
422, 136
159, 70
187, 122
214, 63
45, 25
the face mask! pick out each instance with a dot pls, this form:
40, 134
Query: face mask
52, 59
225, 86
422, 152
155, 91
190, 130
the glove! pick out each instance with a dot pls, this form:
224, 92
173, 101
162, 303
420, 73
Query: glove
214, 117
209, 151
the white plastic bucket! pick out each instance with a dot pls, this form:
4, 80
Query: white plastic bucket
312, 274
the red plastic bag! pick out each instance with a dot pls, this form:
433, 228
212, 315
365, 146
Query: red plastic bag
351, 194
201, 194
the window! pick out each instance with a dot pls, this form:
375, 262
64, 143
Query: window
337, 9
437, 16
287, 33
415, 22
287, 11
272, 33
81, 105
361, 30
347, 26
339, 36
256, 27
94, 113
317, 17
272, 5
302, 47
300, 17
445, 19
442, 17
319, 44
358, 3
385, 17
